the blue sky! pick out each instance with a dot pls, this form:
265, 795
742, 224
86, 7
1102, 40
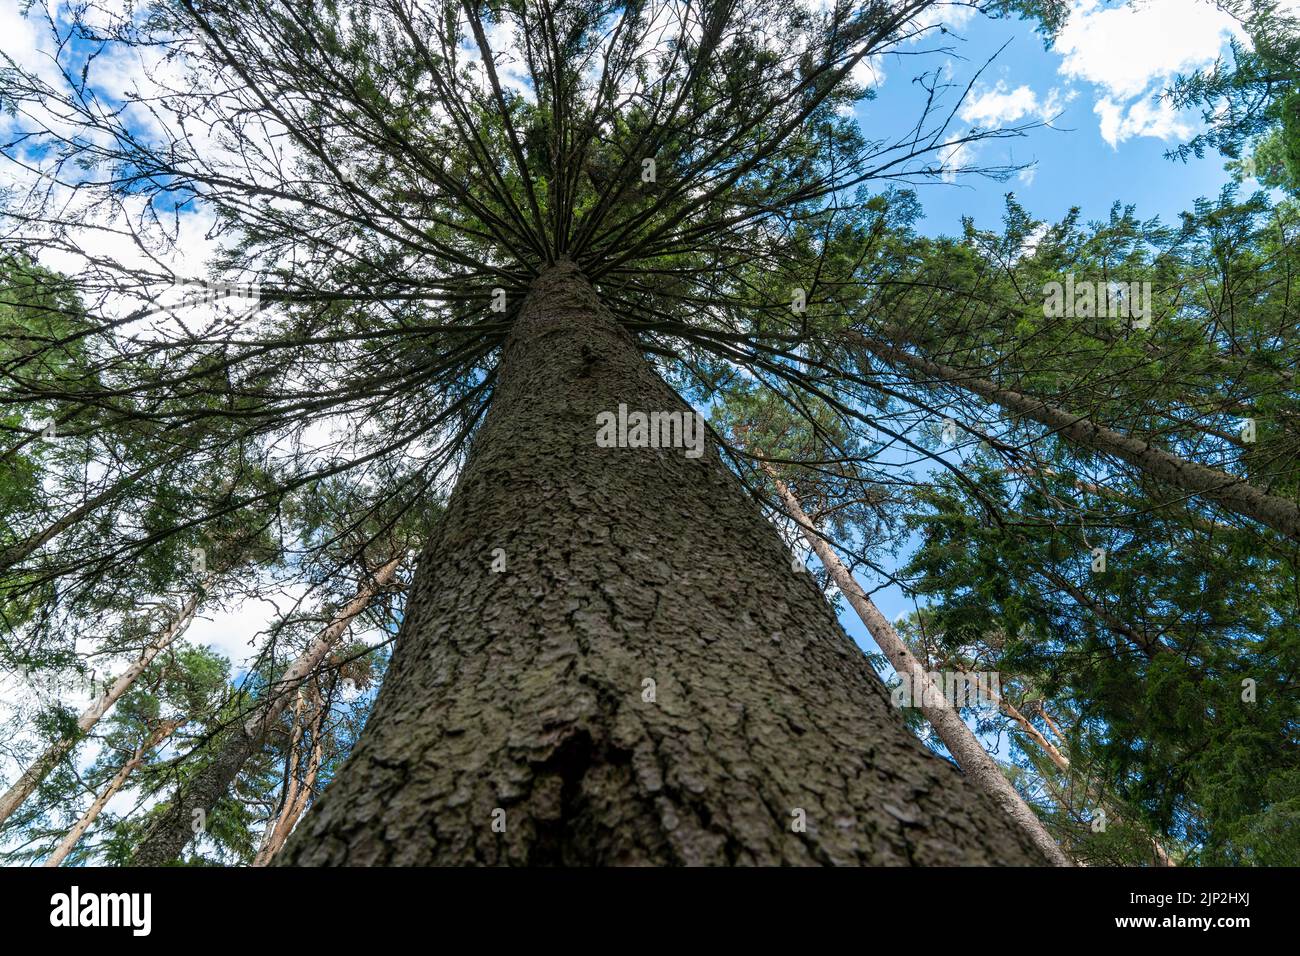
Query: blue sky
1109, 140
1104, 77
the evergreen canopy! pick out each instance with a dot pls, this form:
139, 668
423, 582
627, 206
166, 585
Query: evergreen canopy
381, 182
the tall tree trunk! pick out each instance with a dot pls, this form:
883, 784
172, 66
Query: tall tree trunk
943, 717
646, 681
176, 826
61, 852
1204, 524
1148, 645
296, 792
1229, 491
1062, 763
1051, 724
291, 813
289, 792
42, 765
24, 549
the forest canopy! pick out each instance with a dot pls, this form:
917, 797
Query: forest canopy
304, 307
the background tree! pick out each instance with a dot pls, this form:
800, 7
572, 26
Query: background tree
176, 693
447, 237
759, 425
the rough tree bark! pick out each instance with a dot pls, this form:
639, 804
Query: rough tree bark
42, 765
943, 717
523, 698
175, 827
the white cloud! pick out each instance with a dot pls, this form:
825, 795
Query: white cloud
1145, 117
995, 106
1126, 49
949, 15
998, 105
1130, 51
955, 157
238, 629
27, 40
870, 72
1030, 244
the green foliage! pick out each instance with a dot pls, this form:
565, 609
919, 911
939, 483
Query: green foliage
382, 179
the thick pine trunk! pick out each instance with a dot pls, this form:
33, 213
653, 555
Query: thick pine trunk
186, 816
187, 813
520, 698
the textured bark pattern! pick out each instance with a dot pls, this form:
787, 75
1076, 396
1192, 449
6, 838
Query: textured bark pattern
522, 691
960, 740
168, 835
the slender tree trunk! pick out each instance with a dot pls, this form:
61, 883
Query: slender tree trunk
292, 812
42, 765
290, 790
1051, 724
24, 549
296, 792
1161, 854
1033, 733
1147, 645
1195, 520
78, 831
1233, 493
1062, 763
644, 680
970, 755
187, 813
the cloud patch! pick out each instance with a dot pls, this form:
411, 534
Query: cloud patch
997, 105
1130, 52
